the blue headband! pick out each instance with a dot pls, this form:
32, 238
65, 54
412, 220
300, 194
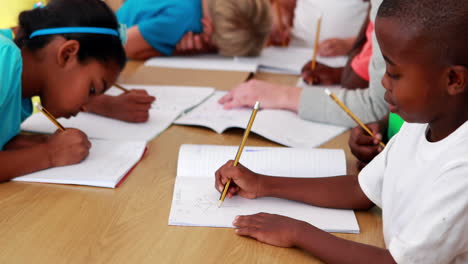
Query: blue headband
122, 33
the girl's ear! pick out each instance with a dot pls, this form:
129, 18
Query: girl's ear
68, 52
457, 80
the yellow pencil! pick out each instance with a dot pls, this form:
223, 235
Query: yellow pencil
49, 115
121, 88
239, 151
354, 117
316, 44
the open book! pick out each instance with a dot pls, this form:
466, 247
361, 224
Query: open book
290, 60
171, 102
281, 126
195, 200
287, 60
206, 62
107, 164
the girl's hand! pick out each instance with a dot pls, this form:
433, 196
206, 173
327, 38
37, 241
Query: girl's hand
133, 106
67, 147
244, 182
272, 229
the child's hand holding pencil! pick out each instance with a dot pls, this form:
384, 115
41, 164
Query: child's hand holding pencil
322, 74
244, 182
65, 146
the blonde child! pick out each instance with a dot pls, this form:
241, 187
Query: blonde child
230, 27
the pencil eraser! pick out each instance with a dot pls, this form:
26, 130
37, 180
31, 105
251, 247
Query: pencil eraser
257, 105
327, 91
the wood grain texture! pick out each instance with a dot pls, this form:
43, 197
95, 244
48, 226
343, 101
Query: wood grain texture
46, 223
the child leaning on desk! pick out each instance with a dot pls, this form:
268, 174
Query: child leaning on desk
66, 69
420, 180
174, 27
132, 106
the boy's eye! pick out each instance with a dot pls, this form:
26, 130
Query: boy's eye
393, 76
92, 90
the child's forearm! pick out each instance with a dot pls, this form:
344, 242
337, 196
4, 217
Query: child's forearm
25, 141
331, 249
100, 105
14, 163
341, 192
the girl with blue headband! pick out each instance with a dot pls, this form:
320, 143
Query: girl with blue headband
68, 53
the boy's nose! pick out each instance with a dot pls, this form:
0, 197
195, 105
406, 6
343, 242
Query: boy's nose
385, 83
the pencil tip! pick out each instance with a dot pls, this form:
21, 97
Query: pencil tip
327, 91
220, 203
257, 105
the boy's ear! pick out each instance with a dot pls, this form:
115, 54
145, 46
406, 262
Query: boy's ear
68, 52
457, 80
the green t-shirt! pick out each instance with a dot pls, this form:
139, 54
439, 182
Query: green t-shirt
394, 124
13, 108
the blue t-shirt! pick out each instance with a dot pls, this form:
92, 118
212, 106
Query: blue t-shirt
162, 23
13, 109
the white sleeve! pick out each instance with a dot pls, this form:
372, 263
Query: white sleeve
438, 232
371, 177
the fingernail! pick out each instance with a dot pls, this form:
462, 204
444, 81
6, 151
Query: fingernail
220, 188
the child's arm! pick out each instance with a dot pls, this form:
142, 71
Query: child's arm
336, 192
25, 141
137, 48
62, 148
131, 107
272, 96
287, 232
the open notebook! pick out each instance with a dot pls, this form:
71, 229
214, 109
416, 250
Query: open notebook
290, 60
272, 59
107, 164
171, 102
206, 62
281, 126
195, 200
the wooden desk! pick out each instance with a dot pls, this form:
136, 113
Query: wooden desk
46, 223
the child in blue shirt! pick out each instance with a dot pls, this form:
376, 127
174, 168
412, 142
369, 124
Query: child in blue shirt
232, 27
420, 179
66, 53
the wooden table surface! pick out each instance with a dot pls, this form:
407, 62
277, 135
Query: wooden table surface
47, 223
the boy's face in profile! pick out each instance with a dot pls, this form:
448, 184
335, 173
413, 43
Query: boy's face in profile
414, 77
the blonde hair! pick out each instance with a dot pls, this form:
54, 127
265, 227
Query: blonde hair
241, 27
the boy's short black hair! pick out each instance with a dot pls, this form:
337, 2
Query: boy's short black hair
442, 24
74, 13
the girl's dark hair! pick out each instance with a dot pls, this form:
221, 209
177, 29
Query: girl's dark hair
74, 13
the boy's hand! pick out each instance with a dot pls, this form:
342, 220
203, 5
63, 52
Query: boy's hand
322, 74
272, 229
67, 147
243, 181
362, 145
270, 95
133, 106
